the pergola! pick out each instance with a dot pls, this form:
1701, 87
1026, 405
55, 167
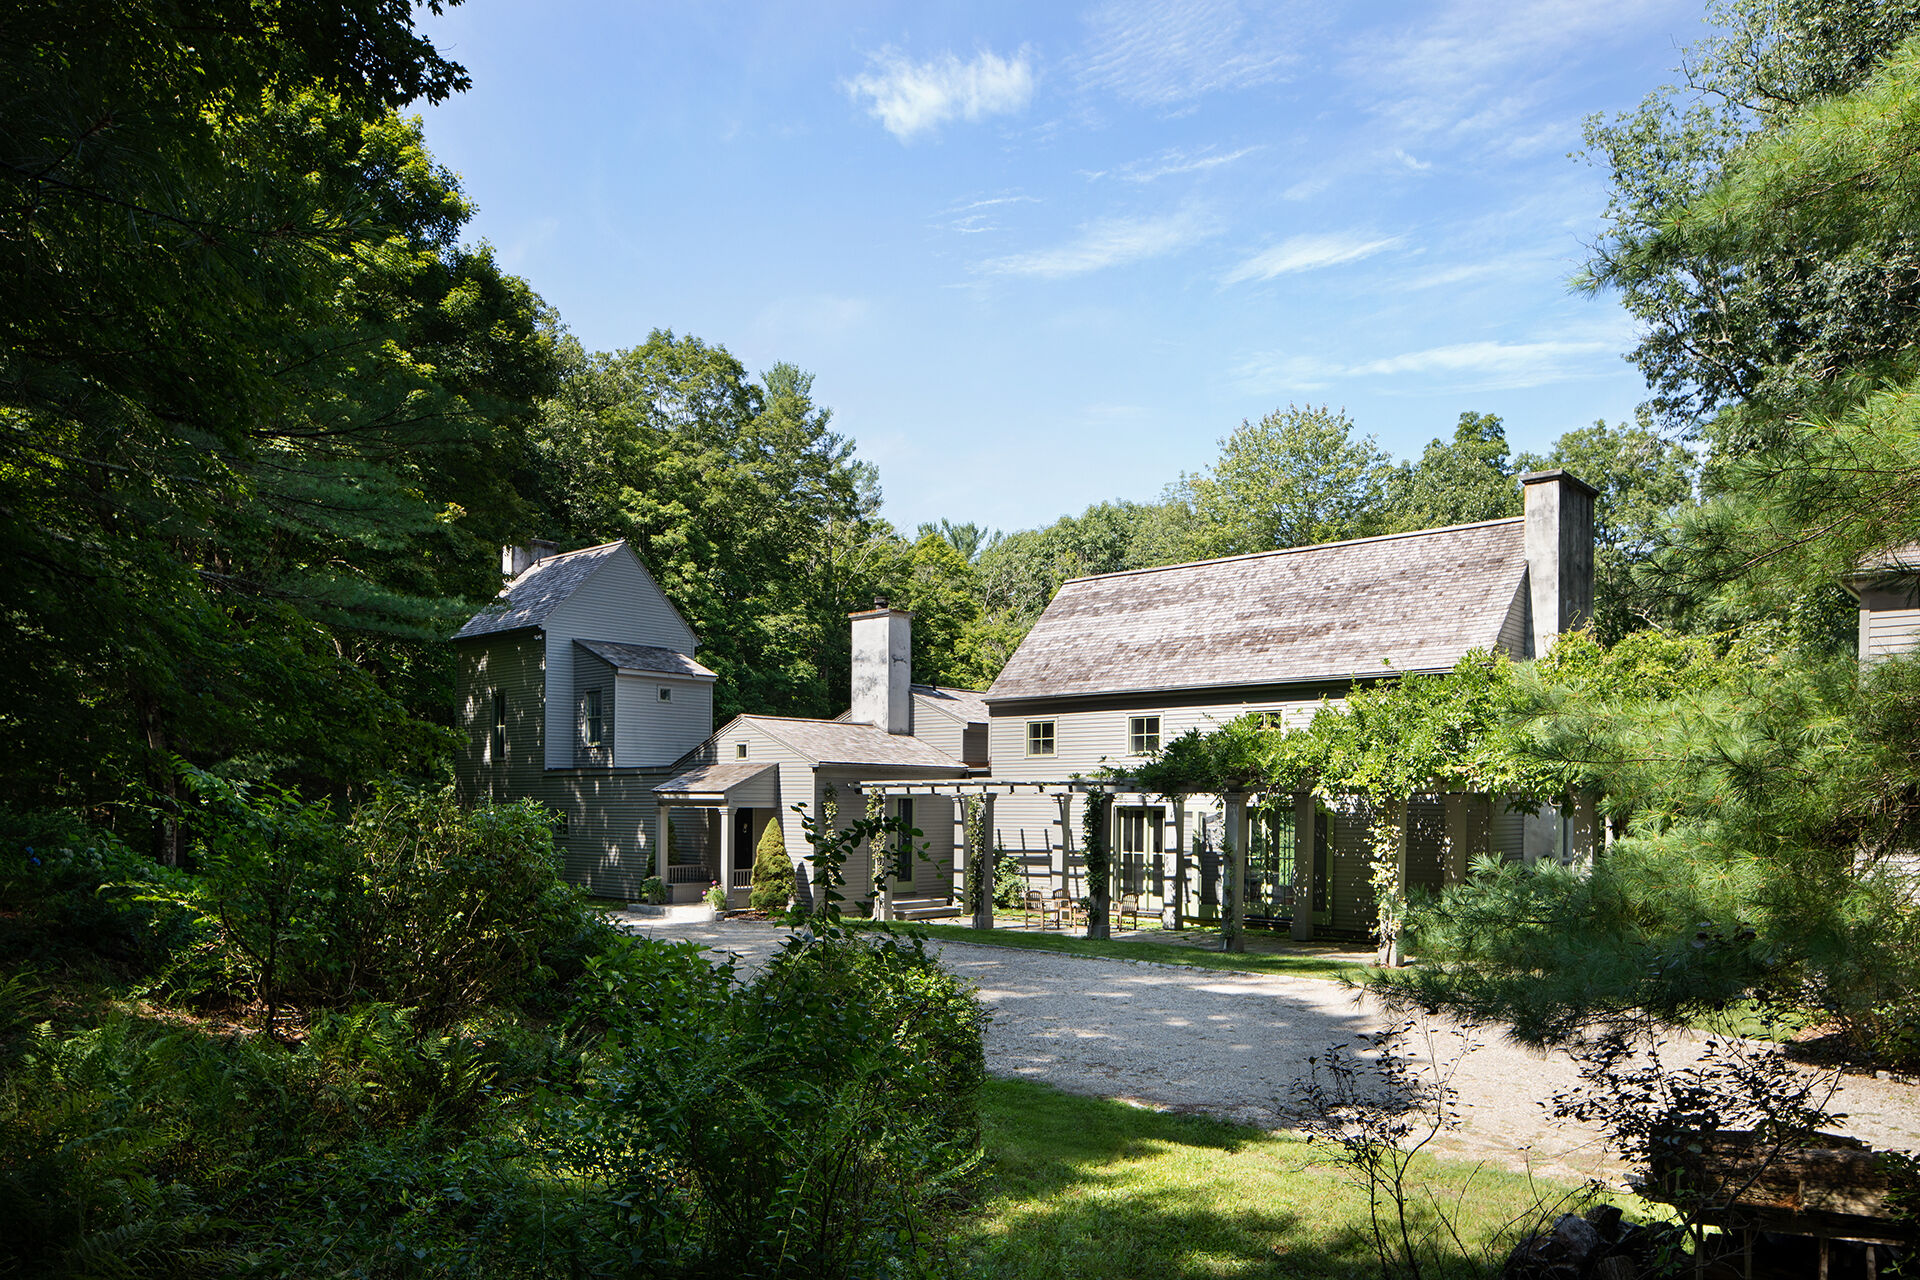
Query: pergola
1468, 817
1063, 793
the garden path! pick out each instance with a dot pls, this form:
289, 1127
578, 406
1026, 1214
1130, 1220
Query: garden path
1236, 1045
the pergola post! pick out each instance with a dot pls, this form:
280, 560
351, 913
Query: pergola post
1306, 815
1066, 846
725, 870
1581, 829
1235, 879
881, 876
981, 826
1179, 894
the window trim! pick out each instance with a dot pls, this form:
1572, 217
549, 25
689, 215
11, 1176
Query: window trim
1039, 730
1141, 741
593, 725
666, 693
739, 751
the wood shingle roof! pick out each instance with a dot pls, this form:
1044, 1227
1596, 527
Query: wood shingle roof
532, 597
1411, 602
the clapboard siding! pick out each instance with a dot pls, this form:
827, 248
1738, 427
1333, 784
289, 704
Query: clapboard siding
653, 734
510, 664
1885, 632
608, 844
1509, 839
620, 603
593, 674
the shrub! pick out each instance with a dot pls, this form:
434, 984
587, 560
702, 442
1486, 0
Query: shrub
653, 891
815, 1121
773, 879
1009, 883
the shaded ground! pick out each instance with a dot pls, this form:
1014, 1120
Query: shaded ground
1236, 1046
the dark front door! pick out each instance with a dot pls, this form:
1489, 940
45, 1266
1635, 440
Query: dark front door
743, 850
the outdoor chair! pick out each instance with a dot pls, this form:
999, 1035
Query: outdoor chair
1066, 910
1033, 904
1128, 908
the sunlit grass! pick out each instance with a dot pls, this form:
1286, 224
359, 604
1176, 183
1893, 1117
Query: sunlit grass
1081, 1187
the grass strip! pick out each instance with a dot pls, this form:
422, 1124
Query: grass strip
1085, 1187
1298, 966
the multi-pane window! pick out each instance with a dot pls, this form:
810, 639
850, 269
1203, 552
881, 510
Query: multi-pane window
497, 739
666, 693
1140, 834
740, 751
1040, 737
591, 722
1143, 735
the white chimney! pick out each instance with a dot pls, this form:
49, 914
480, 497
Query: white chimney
883, 667
515, 561
1559, 539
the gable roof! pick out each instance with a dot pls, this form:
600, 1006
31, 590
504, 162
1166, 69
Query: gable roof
839, 742
1417, 601
647, 657
530, 599
965, 705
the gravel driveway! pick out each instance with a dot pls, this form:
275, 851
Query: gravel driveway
1236, 1045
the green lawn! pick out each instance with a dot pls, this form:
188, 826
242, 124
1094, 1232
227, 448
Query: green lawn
1080, 1187
1321, 961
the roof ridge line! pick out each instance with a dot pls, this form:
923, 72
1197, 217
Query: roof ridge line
1294, 551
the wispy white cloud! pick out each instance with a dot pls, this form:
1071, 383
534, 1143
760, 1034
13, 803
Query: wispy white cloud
909, 98
971, 217
1483, 365
1171, 163
1164, 53
1307, 253
1475, 66
1110, 242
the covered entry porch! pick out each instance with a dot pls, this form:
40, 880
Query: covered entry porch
710, 821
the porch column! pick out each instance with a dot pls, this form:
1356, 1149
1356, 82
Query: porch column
1234, 881
1306, 814
1066, 845
725, 872
662, 815
1179, 894
989, 864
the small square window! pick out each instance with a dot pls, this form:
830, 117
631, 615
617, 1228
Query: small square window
1039, 737
666, 694
740, 751
1143, 735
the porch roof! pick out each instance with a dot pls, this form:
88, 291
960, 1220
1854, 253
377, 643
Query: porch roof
711, 782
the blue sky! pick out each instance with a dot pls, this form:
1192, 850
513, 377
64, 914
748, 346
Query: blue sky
1038, 256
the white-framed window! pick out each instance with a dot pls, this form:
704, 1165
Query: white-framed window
666, 693
592, 722
1140, 836
1143, 735
739, 751
1040, 737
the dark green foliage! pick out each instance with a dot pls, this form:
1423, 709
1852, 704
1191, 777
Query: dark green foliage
1461, 481
773, 879
1009, 884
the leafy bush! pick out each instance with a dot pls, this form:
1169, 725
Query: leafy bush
71, 895
653, 891
773, 880
815, 1121
1009, 884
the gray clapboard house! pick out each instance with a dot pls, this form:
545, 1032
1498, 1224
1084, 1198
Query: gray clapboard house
1122, 663
579, 687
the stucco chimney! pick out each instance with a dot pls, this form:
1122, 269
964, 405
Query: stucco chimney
515, 561
1559, 509
883, 667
